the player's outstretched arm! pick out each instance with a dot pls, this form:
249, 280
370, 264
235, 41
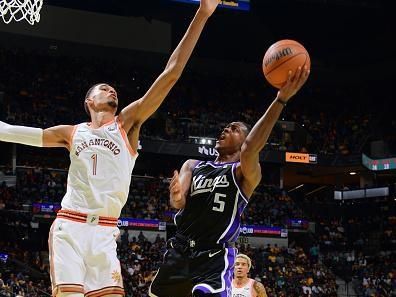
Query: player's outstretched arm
133, 115
258, 136
259, 288
180, 184
57, 136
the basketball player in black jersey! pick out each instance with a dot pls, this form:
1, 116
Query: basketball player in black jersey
211, 197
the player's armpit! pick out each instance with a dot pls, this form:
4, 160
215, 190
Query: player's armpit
260, 290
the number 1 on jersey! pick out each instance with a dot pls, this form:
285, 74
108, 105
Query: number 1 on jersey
94, 157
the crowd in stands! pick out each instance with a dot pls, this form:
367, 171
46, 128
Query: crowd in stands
290, 272
24, 266
140, 258
43, 89
20, 285
358, 242
270, 206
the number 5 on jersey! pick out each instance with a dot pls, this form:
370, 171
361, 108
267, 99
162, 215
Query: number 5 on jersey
220, 203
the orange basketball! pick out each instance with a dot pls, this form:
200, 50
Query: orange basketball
280, 58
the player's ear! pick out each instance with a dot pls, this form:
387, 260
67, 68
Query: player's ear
87, 102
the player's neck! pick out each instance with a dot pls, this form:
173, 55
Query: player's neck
227, 158
101, 118
241, 281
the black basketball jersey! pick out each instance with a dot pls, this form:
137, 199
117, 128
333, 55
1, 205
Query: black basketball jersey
214, 205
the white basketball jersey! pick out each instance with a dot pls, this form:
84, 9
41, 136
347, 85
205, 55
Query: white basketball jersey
245, 291
100, 172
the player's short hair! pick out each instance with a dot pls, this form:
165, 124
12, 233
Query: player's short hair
243, 256
247, 127
88, 94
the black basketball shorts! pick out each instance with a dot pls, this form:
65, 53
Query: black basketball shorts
187, 271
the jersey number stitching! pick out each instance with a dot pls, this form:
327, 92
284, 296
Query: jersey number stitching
94, 157
221, 203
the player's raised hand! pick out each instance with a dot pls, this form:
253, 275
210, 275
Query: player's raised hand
207, 7
175, 187
293, 83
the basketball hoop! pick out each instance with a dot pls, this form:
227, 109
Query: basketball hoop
18, 10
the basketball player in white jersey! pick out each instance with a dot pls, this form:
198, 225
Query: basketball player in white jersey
242, 286
82, 239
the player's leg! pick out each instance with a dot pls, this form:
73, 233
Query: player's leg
103, 275
67, 267
213, 273
172, 278
165, 285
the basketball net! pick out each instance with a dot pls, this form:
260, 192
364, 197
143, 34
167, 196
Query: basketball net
18, 10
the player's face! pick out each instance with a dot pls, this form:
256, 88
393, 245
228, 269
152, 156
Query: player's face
232, 137
241, 268
103, 98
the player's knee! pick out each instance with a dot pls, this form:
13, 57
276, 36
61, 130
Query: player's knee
66, 294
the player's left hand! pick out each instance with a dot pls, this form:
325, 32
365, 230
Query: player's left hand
175, 187
207, 7
293, 83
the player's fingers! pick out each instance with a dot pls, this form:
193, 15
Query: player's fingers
307, 72
175, 189
173, 183
304, 75
297, 75
290, 76
175, 175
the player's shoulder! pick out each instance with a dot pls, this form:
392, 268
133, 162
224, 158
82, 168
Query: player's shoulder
257, 283
259, 288
192, 163
62, 129
81, 124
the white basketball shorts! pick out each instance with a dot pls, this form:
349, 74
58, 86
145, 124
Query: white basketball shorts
83, 255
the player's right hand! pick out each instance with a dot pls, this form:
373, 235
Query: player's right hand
175, 187
293, 83
208, 6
